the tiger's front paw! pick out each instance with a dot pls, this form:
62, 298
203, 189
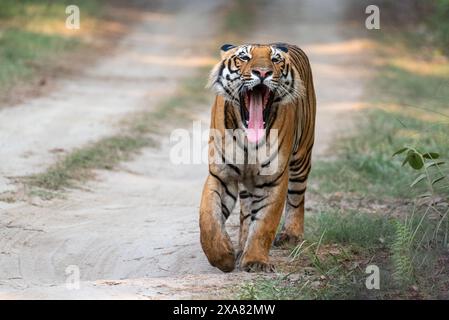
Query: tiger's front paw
257, 266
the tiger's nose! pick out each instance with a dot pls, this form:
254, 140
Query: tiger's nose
262, 73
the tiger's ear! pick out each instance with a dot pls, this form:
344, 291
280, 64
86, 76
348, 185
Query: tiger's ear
282, 47
226, 47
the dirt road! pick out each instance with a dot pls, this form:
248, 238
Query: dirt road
133, 232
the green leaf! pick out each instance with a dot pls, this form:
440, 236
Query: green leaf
431, 155
415, 160
418, 179
407, 157
405, 161
438, 179
400, 151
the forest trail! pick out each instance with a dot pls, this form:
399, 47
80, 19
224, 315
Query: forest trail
133, 232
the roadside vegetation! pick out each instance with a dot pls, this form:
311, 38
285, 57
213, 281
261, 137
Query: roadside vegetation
34, 39
138, 131
383, 198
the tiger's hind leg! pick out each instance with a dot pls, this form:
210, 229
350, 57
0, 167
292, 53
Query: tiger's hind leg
292, 230
245, 219
217, 202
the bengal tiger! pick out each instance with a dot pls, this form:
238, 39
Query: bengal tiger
259, 89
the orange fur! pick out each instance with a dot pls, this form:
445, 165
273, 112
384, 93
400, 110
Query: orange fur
262, 197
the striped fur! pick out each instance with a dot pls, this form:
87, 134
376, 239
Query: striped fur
263, 198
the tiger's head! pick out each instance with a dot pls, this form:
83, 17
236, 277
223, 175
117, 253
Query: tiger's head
254, 78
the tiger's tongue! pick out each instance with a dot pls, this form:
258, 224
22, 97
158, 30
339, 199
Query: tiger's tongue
255, 129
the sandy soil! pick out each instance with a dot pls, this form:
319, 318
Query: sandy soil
133, 232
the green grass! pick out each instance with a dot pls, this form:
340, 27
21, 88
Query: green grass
439, 23
341, 281
21, 51
24, 10
77, 166
33, 34
331, 262
262, 288
349, 228
408, 109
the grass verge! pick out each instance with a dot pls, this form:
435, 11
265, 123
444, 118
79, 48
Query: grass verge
136, 134
332, 262
76, 166
409, 107
381, 220
33, 35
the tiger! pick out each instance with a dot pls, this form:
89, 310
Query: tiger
260, 88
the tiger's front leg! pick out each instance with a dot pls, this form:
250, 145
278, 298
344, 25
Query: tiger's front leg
263, 222
217, 202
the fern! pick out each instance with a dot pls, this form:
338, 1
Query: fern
406, 247
403, 252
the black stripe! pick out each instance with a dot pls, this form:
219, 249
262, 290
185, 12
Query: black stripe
218, 193
301, 202
300, 180
230, 119
244, 195
224, 186
225, 89
274, 155
300, 160
301, 173
225, 210
230, 67
237, 170
292, 205
302, 165
272, 183
255, 211
293, 78
297, 191
259, 200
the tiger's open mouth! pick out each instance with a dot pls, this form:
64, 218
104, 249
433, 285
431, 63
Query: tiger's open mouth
255, 107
